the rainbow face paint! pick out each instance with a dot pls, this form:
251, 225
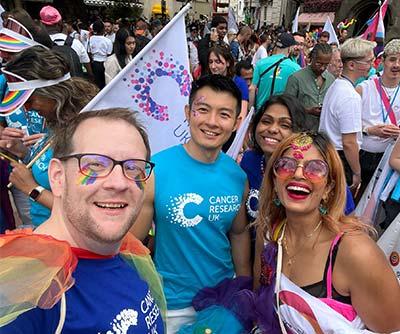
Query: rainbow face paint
85, 180
140, 184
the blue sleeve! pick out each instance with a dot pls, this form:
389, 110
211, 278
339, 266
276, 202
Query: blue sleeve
36, 321
235, 49
242, 85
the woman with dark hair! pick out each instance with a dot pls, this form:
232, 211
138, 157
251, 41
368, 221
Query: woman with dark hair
124, 48
318, 270
280, 117
45, 85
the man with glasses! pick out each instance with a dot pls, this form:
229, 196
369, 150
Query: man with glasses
341, 110
310, 84
98, 187
196, 199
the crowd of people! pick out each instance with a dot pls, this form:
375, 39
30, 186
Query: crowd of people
266, 243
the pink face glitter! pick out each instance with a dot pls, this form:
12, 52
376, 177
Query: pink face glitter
301, 144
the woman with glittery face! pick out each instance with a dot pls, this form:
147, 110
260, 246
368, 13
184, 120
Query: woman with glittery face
321, 266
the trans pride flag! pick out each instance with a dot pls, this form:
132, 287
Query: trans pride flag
375, 24
156, 83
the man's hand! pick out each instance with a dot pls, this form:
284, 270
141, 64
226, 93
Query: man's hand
355, 186
12, 133
384, 131
14, 146
32, 139
21, 177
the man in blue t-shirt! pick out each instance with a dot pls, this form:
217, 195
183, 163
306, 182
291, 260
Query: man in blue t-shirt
97, 183
195, 198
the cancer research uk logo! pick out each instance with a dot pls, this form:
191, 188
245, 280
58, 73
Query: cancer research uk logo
217, 206
128, 318
143, 79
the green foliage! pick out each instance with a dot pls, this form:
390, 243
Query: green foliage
120, 10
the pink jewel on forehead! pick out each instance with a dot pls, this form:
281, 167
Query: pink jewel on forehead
300, 145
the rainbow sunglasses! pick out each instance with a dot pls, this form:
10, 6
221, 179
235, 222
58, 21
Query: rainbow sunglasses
19, 90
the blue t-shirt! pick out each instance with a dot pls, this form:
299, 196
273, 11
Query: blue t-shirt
242, 85
195, 204
252, 164
108, 297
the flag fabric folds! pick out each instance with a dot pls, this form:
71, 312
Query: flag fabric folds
332, 33
237, 144
372, 29
295, 23
156, 83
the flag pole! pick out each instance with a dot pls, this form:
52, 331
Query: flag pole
142, 52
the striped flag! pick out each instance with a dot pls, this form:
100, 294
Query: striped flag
373, 23
156, 83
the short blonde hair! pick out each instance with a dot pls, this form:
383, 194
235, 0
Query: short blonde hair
355, 48
392, 47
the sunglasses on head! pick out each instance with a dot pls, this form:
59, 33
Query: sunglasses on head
313, 170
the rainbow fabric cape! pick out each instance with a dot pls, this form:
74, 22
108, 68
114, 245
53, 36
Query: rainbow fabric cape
36, 270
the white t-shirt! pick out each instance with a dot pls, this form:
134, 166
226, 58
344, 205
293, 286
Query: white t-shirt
374, 113
260, 54
78, 47
100, 47
111, 37
341, 112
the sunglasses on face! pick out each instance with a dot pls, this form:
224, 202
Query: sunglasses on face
313, 170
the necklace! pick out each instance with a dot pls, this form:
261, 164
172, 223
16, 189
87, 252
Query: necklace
291, 258
262, 165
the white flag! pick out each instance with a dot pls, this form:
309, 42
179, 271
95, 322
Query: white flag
232, 20
295, 23
332, 33
156, 83
389, 242
237, 144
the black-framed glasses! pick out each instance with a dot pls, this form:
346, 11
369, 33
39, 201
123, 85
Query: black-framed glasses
99, 165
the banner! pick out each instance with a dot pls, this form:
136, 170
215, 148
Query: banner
389, 242
295, 23
332, 33
156, 83
370, 200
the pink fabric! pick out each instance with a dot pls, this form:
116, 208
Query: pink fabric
346, 310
